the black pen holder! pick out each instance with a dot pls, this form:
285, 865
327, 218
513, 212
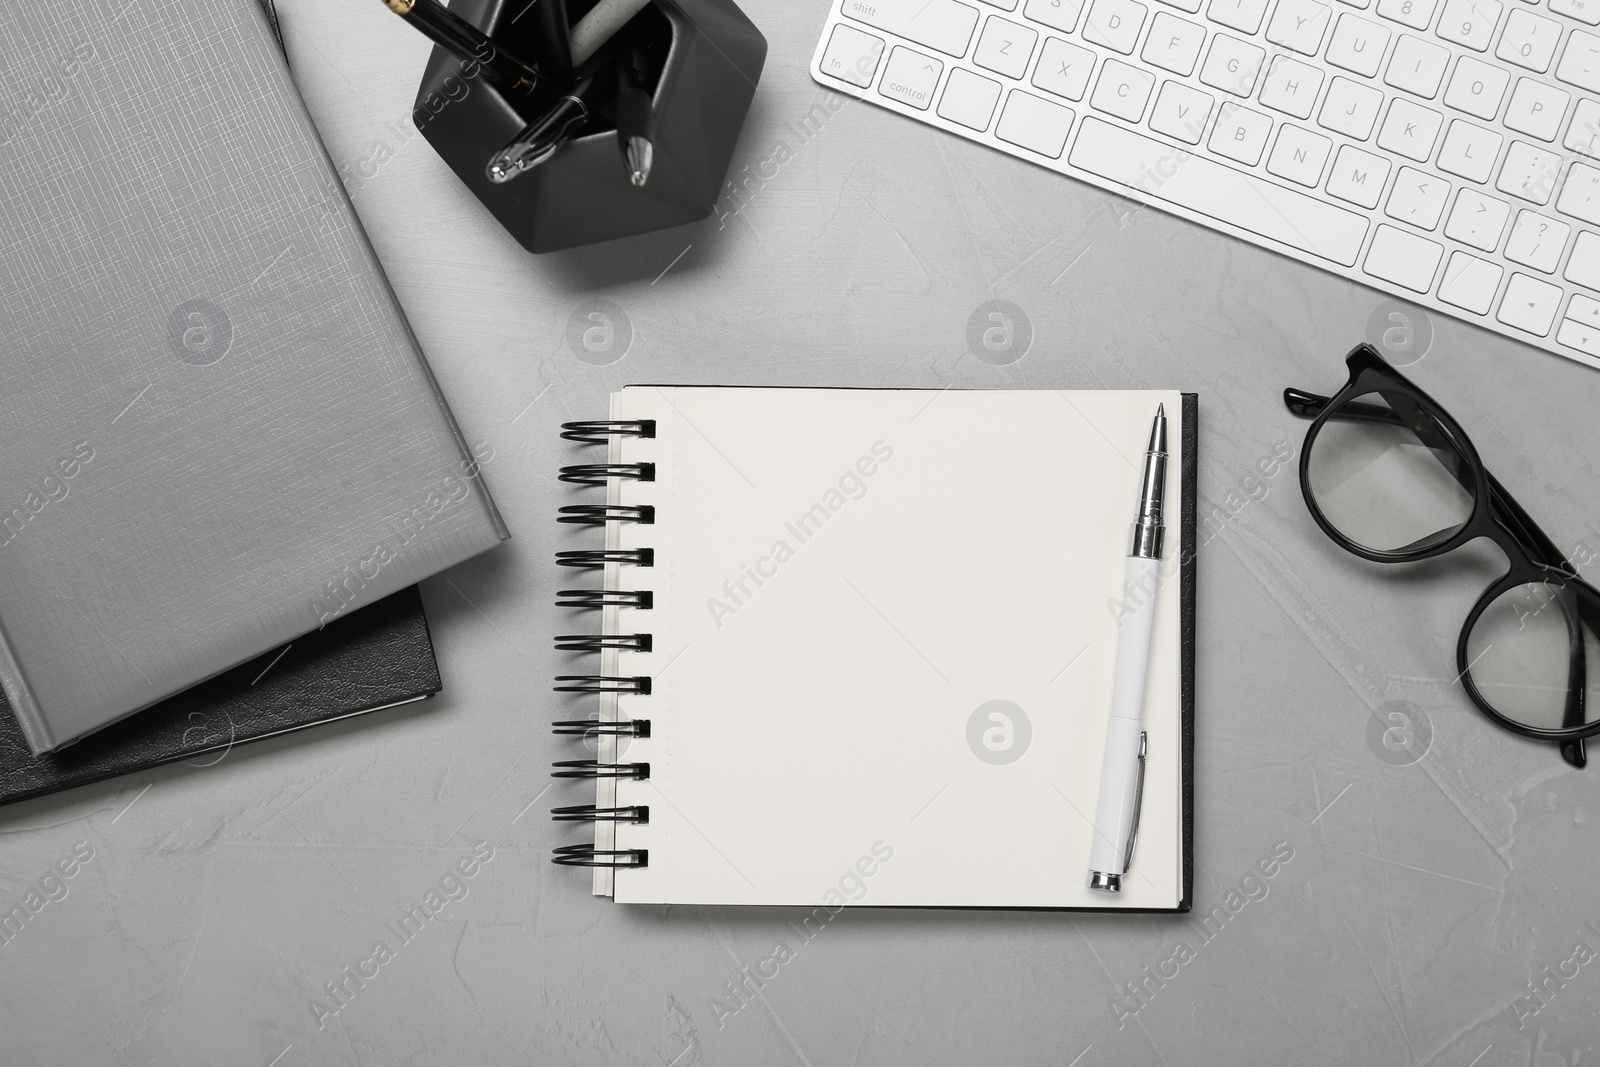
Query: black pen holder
582, 193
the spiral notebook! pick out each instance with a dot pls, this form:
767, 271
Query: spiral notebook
855, 647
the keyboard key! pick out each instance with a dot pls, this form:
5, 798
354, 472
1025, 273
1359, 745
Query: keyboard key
1240, 134
1403, 258
1580, 197
910, 77
1417, 66
1122, 90
1004, 5
1529, 41
1190, 6
1536, 109
1115, 24
1477, 220
1469, 151
852, 56
1242, 15
1358, 45
1005, 47
1181, 112
1580, 63
1350, 108
1585, 339
1173, 44
1298, 155
1219, 192
1584, 133
1057, 14
1583, 309
1299, 25
1291, 87
1232, 65
1034, 124
944, 25
1410, 130
1363, 4
1529, 172
1469, 22
1414, 13
1470, 282
1537, 241
1063, 69
1529, 304
1582, 10
1477, 88
1358, 176
1418, 198
969, 99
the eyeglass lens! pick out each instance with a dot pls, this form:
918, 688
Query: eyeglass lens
1388, 476
1534, 655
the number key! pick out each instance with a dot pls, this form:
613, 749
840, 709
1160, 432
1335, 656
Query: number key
1529, 41
1414, 13
1470, 22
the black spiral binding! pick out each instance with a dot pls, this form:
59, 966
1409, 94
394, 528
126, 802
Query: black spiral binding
637, 685
593, 768
601, 433
600, 514
596, 728
634, 813
589, 856
601, 642
605, 598
598, 476
595, 558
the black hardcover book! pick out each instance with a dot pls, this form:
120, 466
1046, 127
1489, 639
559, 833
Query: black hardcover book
374, 658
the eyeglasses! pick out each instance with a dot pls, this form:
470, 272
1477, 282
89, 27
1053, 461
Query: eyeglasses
1390, 476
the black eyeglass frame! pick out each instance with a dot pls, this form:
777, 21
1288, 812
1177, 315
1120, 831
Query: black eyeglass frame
1533, 556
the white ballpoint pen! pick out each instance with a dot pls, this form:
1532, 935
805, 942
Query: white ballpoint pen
1116, 819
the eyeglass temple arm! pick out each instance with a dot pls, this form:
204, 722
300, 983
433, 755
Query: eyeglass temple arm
1303, 404
1578, 616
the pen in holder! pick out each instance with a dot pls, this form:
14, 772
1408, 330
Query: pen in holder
582, 193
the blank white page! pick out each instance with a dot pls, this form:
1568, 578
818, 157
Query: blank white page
843, 578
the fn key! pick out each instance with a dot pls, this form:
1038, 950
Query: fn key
852, 56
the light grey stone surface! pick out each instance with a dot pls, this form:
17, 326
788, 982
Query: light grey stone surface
1420, 900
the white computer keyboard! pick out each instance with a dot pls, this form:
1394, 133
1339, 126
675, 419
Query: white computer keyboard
1444, 151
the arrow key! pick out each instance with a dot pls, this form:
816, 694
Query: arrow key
1530, 304
1585, 339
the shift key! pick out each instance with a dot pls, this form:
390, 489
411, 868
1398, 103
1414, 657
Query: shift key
944, 25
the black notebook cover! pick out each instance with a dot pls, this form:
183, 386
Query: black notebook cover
373, 658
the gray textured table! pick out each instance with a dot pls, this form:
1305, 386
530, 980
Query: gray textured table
1419, 897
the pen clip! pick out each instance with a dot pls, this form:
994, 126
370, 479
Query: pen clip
1138, 802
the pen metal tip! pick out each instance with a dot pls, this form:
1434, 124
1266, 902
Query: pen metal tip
639, 154
1158, 431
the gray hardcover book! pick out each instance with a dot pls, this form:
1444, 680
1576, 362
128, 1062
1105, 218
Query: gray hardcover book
216, 429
